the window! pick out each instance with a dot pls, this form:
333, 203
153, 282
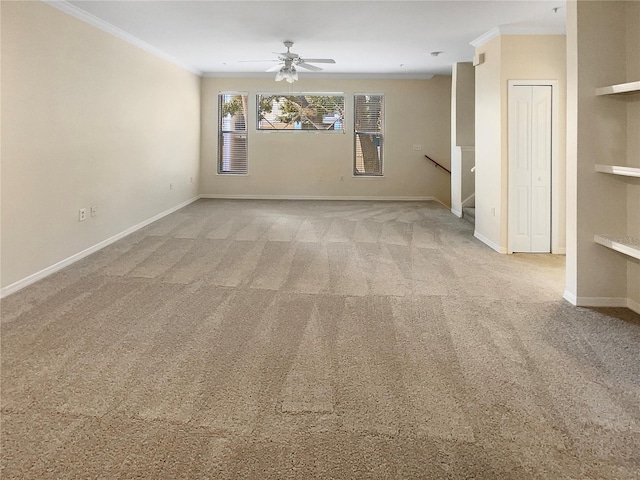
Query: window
368, 134
232, 133
301, 112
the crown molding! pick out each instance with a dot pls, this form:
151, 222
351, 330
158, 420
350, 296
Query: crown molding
100, 24
382, 76
515, 30
486, 37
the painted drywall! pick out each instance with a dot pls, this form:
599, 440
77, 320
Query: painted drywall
571, 212
488, 133
603, 48
539, 57
87, 119
417, 112
632, 44
515, 57
463, 105
462, 136
601, 139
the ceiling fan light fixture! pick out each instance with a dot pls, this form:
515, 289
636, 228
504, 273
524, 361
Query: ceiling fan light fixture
288, 73
280, 74
293, 75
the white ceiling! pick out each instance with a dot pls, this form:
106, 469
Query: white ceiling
386, 38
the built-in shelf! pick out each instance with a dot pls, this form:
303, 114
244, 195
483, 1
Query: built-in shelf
619, 170
628, 246
622, 88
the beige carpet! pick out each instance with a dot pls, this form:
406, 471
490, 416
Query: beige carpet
255, 339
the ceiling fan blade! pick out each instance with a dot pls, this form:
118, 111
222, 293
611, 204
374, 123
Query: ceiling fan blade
274, 68
318, 60
290, 55
309, 67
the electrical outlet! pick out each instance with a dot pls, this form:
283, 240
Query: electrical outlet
171, 186
82, 214
93, 211
417, 148
493, 212
191, 180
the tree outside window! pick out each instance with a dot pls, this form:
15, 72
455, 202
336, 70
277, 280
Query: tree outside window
232, 133
310, 112
368, 134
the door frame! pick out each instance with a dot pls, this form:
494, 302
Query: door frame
555, 155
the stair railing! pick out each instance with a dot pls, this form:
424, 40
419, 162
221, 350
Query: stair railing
438, 165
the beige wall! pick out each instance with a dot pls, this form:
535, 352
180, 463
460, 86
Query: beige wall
417, 112
87, 119
604, 44
539, 57
463, 105
515, 57
632, 16
601, 139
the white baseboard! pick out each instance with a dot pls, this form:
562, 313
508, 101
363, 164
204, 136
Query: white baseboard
20, 284
570, 297
457, 211
489, 243
378, 198
466, 201
559, 251
601, 301
233, 196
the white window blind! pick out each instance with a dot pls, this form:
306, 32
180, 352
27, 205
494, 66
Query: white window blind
301, 112
368, 134
232, 133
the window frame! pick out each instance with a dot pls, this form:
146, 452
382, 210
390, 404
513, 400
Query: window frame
380, 133
240, 134
332, 131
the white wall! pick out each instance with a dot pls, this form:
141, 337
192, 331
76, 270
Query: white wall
417, 112
87, 119
489, 177
462, 136
515, 57
571, 267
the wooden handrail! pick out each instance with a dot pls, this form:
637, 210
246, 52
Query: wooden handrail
438, 165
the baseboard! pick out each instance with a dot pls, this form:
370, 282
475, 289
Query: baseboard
469, 200
377, 198
559, 251
570, 297
602, 302
20, 284
489, 243
457, 211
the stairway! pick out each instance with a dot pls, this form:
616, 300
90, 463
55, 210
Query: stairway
469, 214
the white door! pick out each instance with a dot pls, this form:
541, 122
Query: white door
530, 168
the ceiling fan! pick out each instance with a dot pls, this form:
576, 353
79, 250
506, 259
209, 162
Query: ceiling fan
288, 61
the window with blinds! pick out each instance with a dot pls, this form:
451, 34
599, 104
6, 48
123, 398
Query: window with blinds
232, 133
368, 133
301, 112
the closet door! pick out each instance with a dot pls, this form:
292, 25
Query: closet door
530, 168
